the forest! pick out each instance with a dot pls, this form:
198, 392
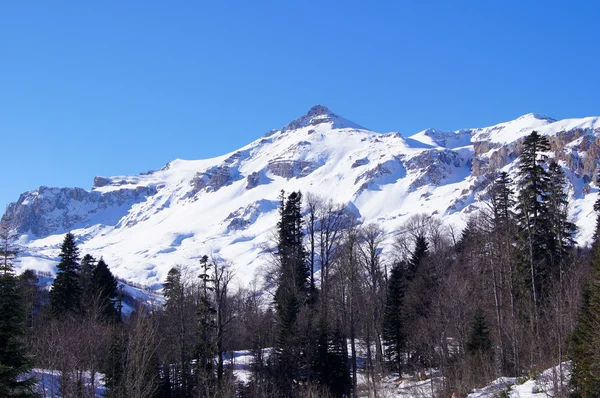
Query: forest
335, 311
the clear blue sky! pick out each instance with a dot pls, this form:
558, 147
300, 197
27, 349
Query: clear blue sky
105, 87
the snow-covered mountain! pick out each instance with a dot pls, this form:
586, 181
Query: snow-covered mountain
145, 224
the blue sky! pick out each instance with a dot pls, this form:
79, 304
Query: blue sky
108, 88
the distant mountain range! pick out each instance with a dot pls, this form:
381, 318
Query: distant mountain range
145, 224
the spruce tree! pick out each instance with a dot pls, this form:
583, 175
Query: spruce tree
562, 238
502, 202
393, 322
292, 290
205, 349
533, 217
104, 290
479, 342
65, 296
14, 360
88, 263
586, 337
419, 253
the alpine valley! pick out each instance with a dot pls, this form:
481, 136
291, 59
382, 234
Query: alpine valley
228, 206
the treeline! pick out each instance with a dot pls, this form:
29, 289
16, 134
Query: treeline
339, 306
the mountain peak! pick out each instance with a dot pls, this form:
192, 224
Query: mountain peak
537, 116
320, 114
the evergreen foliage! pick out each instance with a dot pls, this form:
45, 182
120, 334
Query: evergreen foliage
479, 341
292, 290
393, 322
14, 359
66, 293
586, 338
104, 290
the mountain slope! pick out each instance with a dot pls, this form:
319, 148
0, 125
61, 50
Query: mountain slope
143, 225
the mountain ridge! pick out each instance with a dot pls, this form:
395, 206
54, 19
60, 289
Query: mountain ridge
226, 205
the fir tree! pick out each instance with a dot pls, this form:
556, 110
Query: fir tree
479, 342
14, 360
586, 337
502, 202
104, 290
418, 254
65, 296
533, 213
205, 349
393, 323
292, 290
88, 263
562, 239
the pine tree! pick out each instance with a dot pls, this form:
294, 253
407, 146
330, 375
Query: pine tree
292, 290
533, 217
562, 239
586, 337
205, 349
104, 290
393, 322
14, 360
502, 202
479, 342
65, 296
418, 254
88, 263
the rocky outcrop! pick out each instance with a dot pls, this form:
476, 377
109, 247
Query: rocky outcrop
434, 166
386, 172
213, 179
46, 211
246, 216
292, 168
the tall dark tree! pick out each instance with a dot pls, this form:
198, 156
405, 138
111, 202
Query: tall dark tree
205, 348
418, 254
292, 290
104, 290
14, 359
394, 329
586, 338
533, 214
65, 296
562, 238
479, 341
88, 263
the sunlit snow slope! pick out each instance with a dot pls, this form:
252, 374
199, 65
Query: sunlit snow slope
143, 225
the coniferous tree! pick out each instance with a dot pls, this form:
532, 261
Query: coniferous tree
205, 350
65, 296
292, 290
533, 214
14, 360
104, 290
418, 254
562, 238
479, 341
88, 263
586, 338
394, 332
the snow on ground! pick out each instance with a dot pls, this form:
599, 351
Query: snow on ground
227, 206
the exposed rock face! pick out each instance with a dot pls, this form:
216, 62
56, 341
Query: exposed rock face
316, 115
213, 179
292, 168
246, 216
360, 162
436, 165
386, 172
252, 180
47, 211
101, 182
